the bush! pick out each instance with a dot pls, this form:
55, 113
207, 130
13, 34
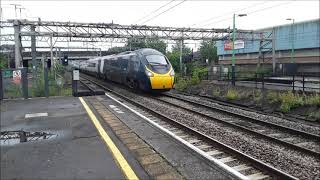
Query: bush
289, 101
181, 84
216, 92
257, 95
273, 97
313, 100
232, 94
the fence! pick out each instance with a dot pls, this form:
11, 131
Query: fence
296, 82
19, 83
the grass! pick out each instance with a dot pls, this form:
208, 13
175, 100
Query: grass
257, 96
273, 97
232, 94
314, 115
313, 100
290, 101
216, 92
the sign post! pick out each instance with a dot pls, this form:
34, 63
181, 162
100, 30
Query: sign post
75, 79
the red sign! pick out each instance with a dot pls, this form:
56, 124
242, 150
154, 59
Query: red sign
16, 76
228, 45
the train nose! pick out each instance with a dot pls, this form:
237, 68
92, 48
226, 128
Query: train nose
164, 82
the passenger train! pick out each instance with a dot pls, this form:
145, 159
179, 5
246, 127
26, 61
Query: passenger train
145, 69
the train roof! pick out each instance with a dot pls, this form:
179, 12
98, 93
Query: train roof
148, 51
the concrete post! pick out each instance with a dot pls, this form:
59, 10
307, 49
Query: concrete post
17, 44
273, 51
34, 55
181, 67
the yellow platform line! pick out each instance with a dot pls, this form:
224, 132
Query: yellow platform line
118, 157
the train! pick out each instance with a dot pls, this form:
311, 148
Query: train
144, 69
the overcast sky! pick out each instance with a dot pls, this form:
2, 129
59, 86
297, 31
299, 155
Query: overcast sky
207, 14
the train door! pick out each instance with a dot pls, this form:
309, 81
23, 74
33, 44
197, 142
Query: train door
123, 71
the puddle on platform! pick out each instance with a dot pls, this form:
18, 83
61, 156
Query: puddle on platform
16, 137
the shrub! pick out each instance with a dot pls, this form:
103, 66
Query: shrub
313, 100
273, 97
289, 101
232, 94
216, 92
257, 95
314, 115
181, 84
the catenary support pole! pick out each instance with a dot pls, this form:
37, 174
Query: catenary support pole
233, 67
17, 44
181, 66
34, 56
274, 51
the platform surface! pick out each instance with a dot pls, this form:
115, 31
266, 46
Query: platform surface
76, 152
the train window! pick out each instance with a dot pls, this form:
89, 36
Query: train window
114, 63
156, 60
92, 65
124, 64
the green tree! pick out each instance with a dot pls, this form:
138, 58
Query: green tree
3, 61
185, 50
208, 50
174, 58
155, 43
174, 55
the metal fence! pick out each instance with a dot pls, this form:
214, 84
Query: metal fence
19, 83
296, 82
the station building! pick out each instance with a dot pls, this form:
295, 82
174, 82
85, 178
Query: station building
305, 37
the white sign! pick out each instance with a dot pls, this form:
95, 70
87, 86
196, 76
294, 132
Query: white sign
238, 44
16, 74
76, 75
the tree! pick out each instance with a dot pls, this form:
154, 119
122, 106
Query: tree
3, 61
208, 50
174, 55
155, 43
174, 58
185, 50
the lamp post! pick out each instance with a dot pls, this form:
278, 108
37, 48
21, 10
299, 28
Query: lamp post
292, 39
233, 68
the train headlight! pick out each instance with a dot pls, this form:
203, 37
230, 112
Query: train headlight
172, 73
148, 73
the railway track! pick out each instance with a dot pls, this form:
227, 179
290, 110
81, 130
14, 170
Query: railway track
292, 138
247, 108
241, 165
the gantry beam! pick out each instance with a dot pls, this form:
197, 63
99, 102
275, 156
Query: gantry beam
106, 32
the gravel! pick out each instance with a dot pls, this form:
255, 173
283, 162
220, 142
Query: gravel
281, 121
290, 161
293, 162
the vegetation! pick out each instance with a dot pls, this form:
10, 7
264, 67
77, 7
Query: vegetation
232, 94
196, 76
208, 50
289, 101
3, 61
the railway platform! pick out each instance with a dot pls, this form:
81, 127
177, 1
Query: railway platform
91, 138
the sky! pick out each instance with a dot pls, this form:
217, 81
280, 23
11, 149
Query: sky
189, 13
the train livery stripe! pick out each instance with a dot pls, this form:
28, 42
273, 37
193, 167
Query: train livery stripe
121, 161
